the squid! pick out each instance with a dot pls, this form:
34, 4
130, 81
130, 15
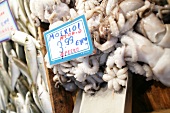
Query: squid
155, 56
158, 35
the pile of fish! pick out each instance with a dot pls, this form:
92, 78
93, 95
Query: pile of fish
23, 82
127, 35
21, 12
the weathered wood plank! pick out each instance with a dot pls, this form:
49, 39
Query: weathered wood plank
149, 95
159, 96
62, 101
160, 111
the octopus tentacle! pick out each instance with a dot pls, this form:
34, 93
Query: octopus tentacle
70, 86
108, 44
74, 63
79, 74
110, 60
65, 69
143, 9
110, 71
107, 77
59, 70
132, 19
109, 50
119, 57
113, 27
66, 64
121, 82
89, 89
136, 68
92, 81
55, 69
97, 78
103, 58
121, 21
121, 71
90, 70
123, 76
81, 85
129, 41
116, 85
148, 70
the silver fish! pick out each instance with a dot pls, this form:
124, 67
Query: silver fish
40, 83
4, 93
28, 98
15, 37
30, 53
18, 101
7, 47
45, 102
15, 72
41, 67
23, 68
36, 98
21, 88
2, 111
20, 52
10, 111
22, 26
3, 59
6, 79
10, 107
34, 109
2, 103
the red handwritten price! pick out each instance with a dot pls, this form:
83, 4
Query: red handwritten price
1, 13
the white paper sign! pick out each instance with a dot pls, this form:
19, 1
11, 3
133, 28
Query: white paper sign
68, 41
7, 23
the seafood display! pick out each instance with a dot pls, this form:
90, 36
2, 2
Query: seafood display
128, 35
23, 82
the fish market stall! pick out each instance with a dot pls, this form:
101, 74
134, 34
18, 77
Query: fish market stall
84, 56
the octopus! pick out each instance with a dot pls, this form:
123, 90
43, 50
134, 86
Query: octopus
115, 77
125, 39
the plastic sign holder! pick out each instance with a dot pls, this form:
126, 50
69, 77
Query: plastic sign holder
68, 41
7, 22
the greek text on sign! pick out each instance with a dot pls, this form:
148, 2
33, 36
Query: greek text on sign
7, 23
68, 41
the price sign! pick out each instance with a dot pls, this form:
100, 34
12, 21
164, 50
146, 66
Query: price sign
68, 41
7, 23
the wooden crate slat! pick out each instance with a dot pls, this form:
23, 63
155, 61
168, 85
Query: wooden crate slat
62, 101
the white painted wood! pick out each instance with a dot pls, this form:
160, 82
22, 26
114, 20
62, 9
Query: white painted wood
106, 101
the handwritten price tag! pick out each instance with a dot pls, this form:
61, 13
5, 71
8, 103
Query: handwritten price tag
68, 41
7, 23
